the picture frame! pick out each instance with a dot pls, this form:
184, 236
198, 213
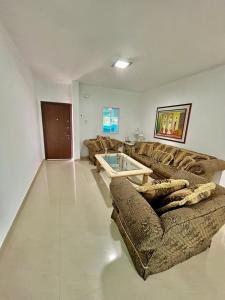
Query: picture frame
172, 122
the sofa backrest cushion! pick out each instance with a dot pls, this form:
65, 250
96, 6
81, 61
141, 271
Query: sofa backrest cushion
149, 149
182, 154
186, 163
105, 142
96, 145
162, 157
141, 149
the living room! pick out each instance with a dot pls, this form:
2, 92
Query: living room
82, 226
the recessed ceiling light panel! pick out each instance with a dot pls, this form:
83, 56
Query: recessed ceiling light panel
121, 64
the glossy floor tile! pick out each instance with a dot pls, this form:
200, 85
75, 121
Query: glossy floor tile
64, 246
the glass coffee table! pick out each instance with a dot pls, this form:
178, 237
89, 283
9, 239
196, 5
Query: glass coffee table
121, 165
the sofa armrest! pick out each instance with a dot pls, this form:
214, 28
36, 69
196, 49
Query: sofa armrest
86, 143
201, 220
141, 222
207, 168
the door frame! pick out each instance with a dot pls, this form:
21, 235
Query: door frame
44, 127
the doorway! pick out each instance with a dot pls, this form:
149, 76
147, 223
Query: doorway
57, 130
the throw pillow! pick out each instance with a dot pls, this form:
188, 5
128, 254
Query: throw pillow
197, 157
96, 145
104, 142
142, 149
170, 149
156, 189
202, 192
167, 158
148, 150
186, 163
157, 154
179, 157
162, 156
110, 143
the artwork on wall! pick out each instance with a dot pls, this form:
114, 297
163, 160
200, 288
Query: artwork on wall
172, 122
111, 120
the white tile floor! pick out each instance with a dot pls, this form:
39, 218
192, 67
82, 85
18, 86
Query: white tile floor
65, 246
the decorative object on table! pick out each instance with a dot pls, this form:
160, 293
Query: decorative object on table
172, 122
129, 147
139, 135
127, 139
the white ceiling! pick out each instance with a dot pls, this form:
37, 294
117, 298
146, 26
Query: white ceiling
66, 40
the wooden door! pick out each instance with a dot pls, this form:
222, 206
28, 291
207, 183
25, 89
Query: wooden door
57, 129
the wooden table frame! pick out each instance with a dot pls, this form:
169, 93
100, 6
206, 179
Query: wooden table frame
143, 170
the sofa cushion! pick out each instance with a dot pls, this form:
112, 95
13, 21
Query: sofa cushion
167, 159
164, 171
187, 197
145, 160
105, 142
148, 150
157, 155
162, 157
96, 145
141, 150
186, 163
159, 188
197, 157
166, 148
179, 157
110, 142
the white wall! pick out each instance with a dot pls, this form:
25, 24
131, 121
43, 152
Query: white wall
206, 91
20, 153
51, 92
76, 118
92, 101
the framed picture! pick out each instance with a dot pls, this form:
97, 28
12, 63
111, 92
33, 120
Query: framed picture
172, 122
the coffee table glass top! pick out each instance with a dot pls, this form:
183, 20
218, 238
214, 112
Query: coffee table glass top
120, 163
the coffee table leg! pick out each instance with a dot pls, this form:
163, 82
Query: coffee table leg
145, 178
98, 165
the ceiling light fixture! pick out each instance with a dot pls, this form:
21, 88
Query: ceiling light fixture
122, 64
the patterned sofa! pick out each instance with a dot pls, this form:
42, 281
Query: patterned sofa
156, 243
96, 147
166, 160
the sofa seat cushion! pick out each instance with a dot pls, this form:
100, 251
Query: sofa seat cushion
185, 197
143, 159
163, 171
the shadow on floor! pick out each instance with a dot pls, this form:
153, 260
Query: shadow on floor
103, 188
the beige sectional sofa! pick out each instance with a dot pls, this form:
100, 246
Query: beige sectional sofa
95, 147
156, 243
166, 160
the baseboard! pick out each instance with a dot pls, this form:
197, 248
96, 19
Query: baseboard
84, 158
20, 208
